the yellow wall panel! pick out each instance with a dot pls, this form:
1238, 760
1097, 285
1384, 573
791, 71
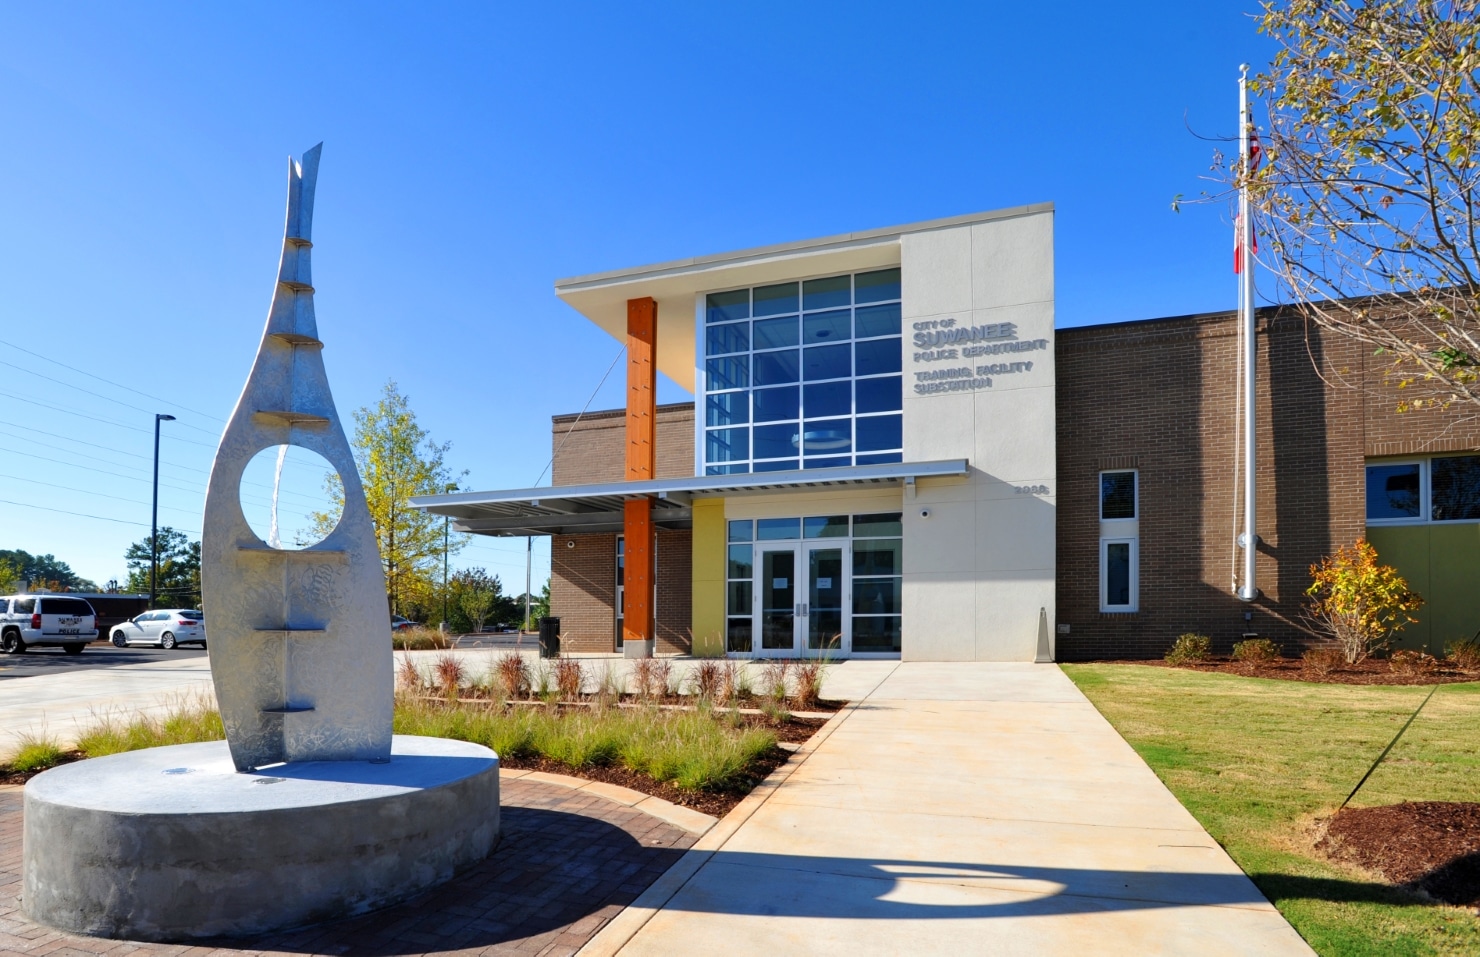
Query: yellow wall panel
709, 577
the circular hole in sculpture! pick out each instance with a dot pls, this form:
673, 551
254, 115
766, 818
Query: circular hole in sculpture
292, 497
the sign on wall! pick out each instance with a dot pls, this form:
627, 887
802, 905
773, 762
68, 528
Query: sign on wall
962, 358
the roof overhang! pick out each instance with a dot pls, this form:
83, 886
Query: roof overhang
578, 509
602, 297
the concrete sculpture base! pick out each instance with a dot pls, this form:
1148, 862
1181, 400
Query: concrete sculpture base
171, 844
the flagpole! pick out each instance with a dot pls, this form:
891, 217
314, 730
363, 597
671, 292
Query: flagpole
1249, 540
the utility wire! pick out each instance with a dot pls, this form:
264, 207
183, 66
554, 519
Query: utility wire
120, 385
84, 415
134, 478
308, 499
578, 416
68, 488
101, 518
99, 395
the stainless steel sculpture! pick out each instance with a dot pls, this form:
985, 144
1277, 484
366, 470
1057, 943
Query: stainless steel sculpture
299, 638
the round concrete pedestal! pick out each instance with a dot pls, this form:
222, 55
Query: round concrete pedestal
173, 843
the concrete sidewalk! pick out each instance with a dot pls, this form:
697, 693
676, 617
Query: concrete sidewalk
958, 808
64, 704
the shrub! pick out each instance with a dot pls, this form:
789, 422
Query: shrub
190, 719
645, 676
1255, 650
744, 691
1409, 661
808, 683
664, 678
706, 680
450, 674
409, 675
513, 674
38, 752
729, 682
540, 679
419, 639
1361, 603
1322, 661
774, 673
1189, 648
611, 686
569, 677
1464, 654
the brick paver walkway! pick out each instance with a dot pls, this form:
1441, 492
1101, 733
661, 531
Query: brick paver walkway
567, 862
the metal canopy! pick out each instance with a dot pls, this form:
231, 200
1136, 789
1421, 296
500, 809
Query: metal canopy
576, 509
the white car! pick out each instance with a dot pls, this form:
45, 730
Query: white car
165, 627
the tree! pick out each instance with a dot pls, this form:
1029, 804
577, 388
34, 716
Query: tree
10, 576
397, 460
478, 595
1361, 603
1370, 191
44, 571
539, 607
178, 581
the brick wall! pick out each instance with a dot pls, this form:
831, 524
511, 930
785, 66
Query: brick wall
1159, 396
583, 590
583, 577
592, 450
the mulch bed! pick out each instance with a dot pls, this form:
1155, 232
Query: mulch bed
1429, 846
718, 803
1373, 671
793, 730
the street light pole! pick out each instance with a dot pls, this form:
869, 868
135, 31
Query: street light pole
154, 513
446, 521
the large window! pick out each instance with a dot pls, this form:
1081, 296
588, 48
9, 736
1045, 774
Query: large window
803, 375
1438, 489
1120, 557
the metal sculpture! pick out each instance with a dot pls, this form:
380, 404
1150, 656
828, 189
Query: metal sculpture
299, 638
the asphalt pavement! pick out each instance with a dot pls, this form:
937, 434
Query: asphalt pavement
99, 654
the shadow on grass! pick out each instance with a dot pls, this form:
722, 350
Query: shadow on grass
1335, 890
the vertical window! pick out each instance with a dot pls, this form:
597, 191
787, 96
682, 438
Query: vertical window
1117, 495
878, 570
621, 588
1118, 573
803, 375
1120, 558
739, 575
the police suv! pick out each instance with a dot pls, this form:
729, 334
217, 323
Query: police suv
29, 620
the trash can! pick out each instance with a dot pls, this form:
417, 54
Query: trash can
549, 637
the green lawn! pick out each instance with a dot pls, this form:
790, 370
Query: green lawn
1259, 762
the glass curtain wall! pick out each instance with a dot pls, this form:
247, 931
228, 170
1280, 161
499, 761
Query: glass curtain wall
803, 375
874, 556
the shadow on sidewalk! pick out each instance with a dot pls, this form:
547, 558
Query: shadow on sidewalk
777, 885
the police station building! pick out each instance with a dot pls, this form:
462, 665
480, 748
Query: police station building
891, 452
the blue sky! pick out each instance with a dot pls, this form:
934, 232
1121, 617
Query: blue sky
474, 153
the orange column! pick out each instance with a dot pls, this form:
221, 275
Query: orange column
637, 514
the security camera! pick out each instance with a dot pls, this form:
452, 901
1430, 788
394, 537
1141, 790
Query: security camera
924, 513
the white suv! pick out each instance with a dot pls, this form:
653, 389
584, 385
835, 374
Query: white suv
165, 627
30, 620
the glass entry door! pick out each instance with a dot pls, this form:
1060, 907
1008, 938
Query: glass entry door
801, 591
778, 606
822, 605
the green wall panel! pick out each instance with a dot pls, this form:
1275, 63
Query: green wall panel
1441, 563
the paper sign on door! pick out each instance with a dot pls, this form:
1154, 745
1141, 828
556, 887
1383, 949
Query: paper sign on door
824, 583
778, 583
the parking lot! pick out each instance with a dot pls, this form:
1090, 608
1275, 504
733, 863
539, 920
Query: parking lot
46, 661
